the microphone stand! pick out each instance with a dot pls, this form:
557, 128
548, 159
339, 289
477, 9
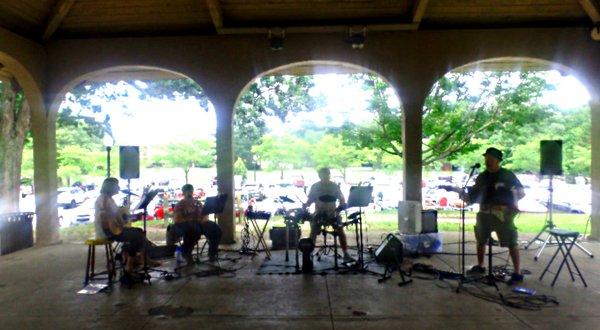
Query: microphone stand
461, 253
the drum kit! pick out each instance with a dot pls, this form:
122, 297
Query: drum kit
360, 196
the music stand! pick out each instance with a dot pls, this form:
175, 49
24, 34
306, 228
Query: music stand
360, 196
145, 200
214, 204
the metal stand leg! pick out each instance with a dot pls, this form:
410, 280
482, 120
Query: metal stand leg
583, 249
537, 255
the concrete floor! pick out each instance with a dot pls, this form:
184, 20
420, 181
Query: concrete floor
38, 288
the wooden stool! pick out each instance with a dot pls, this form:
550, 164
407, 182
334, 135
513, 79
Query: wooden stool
91, 260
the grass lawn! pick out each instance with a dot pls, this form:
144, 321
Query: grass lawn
385, 221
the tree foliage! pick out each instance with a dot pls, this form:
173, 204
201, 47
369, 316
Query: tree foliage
15, 121
331, 152
198, 153
280, 152
276, 95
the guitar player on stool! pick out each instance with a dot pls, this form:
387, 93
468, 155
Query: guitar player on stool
497, 190
111, 223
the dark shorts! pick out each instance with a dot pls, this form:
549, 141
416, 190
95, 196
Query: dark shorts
506, 230
134, 237
322, 219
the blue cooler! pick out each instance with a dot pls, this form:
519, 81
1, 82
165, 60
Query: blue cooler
429, 243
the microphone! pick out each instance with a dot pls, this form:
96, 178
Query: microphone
477, 165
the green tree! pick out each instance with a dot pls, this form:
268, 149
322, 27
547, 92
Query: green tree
239, 168
455, 116
331, 151
269, 96
280, 152
385, 132
15, 119
200, 153
83, 123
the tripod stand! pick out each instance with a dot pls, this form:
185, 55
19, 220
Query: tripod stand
549, 224
461, 246
324, 249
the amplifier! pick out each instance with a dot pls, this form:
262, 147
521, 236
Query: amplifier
390, 251
277, 235
429, 221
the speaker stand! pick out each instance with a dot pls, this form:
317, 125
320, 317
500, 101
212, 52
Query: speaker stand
389, 269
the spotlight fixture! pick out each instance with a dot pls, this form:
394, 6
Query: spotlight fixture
276, 39
357, 38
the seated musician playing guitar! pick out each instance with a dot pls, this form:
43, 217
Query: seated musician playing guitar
190, 224
325, 194
111, 223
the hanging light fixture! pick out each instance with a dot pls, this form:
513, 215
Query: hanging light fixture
276, 37
356, 38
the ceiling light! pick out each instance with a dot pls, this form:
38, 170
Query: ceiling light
357, 38
276, 39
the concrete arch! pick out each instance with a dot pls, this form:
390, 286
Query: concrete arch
123, 72
317, 67
584, 73
535, 63
31, 87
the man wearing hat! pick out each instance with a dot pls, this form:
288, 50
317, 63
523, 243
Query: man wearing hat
497, 190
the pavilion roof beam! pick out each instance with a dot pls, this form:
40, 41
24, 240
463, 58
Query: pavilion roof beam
60, 10
418, 11
591, 9
320, 28
216, 14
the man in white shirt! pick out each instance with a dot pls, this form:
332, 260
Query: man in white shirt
325, 194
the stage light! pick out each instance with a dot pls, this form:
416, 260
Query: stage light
276, 39
357, 38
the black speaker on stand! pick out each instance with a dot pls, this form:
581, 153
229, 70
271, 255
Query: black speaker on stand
550, 164
129, 165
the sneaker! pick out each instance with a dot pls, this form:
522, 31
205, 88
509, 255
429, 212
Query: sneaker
348, 259
515, 278
476, 270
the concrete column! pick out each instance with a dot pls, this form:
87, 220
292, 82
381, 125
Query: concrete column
45, 180
595, 222
224, 108
412, 138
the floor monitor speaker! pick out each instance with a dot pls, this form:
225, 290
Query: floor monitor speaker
390, 251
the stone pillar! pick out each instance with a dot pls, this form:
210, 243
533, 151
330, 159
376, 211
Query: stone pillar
43, 128
224, 108
595, 135
412, 139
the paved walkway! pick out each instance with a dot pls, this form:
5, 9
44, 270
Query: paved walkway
38, 289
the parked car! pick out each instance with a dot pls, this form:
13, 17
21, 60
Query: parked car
69, 197
566, 207
253, 190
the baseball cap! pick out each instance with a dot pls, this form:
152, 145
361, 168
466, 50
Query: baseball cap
494, 153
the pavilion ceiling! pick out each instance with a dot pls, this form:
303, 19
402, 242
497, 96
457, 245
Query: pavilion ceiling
43, 20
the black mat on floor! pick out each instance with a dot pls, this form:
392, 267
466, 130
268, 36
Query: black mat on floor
278, 266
